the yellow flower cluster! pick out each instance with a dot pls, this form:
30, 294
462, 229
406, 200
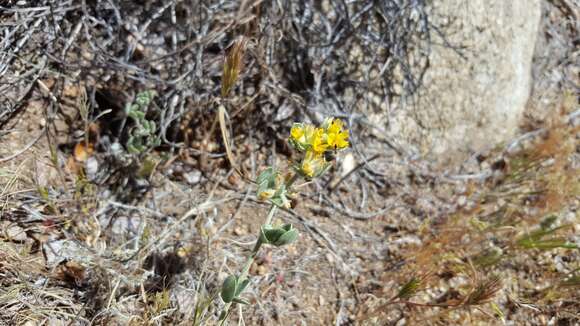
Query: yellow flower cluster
315, 141
313, 164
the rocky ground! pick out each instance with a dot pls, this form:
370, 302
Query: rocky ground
457, 202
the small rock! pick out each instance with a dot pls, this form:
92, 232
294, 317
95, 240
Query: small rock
462, 201
262, 270
59, 250
559, 264
330, 258
91, 168
193, 177
41, 282
292, 251
30, 323
14, 232
408, 240
238, 231
284, 112
348, 164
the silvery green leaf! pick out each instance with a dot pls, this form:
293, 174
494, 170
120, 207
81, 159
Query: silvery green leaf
132, 149
139, 115
280, 199
287, 227
273, 234
229, 288
144, 98
242, 286
297, 145
263, 238
266, 176
323, 170
277, 201
287, 238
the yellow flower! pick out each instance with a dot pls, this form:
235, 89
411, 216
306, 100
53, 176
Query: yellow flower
308, 168
335, 126
307, 137
313, 164
302, 134
297, 131
330, 136
309, 132
266, 194
318, 141
337, 138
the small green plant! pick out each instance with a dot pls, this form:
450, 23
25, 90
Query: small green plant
409, 289
142, 136
312, 143
537, 239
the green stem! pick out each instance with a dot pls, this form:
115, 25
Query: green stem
257, 246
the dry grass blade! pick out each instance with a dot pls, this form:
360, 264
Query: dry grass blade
484, 291
233, 65
226, 139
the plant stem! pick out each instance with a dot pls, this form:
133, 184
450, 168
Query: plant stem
257, 246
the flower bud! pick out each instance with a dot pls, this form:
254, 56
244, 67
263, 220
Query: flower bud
313, 165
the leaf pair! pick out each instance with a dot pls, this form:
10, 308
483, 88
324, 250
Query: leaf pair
278, 236
232, 288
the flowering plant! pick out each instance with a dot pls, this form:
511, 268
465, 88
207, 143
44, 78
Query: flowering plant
313, 144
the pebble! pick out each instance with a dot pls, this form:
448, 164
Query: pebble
14, 233
262, 270
193, 177
462, 201
91, 168
330, 258
59, 250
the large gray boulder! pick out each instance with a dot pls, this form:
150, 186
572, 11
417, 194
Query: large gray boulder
474, 100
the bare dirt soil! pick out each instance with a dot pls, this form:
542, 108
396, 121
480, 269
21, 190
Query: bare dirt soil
109, 217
